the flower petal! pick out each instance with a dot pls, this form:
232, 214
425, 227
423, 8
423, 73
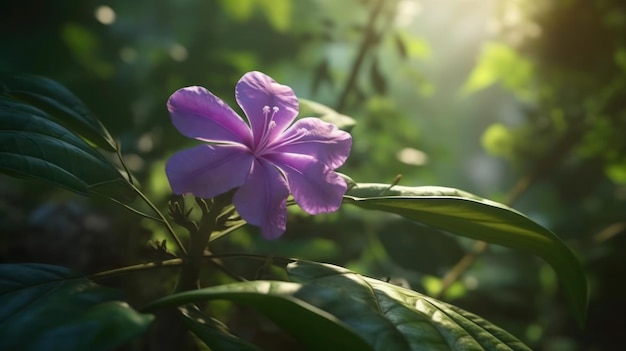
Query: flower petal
198, 114
208, 170
262, 200
315, 187
254, 92
314, 137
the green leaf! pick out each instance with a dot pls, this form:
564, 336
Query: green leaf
393, 318
468, 215
61, 105
317, 329
310, 108
501, 63
32, 145
44, 307
213, 332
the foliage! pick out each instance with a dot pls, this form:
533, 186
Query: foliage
520, 102
314, 310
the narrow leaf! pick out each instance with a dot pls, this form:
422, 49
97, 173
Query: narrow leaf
468, 215
62, 106
44, 307
317, 329
393, 318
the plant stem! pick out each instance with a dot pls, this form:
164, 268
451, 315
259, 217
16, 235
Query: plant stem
178, 262
173, 263
167, 224
118, 151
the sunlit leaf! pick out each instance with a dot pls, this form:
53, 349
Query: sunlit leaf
501, 63
310, 108
616, 172
278, 13
34, 146
393, 318
411, 46
240, 10
468, 215
498, 140
61, 106
44, 307
317, 329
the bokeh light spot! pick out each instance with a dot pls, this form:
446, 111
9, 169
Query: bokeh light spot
105, 14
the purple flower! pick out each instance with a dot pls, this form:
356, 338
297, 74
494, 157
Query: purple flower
266, 159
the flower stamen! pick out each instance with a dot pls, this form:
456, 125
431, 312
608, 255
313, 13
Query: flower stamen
268, 113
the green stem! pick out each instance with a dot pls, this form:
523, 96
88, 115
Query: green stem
167, 224
129, 176
177, 262
118, 151
134, 210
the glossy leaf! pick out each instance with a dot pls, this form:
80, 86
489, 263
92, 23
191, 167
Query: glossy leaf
468, 215
213, 332
310, 108
32, 145
393, 318
317, 329
44, 307
61, 105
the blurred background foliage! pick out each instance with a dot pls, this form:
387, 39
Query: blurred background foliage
519, 101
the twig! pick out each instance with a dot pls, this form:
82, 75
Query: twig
368, 42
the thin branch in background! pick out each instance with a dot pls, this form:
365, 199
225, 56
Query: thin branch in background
543, 167
609, 232
369, 39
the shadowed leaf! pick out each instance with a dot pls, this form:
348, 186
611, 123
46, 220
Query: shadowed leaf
61, 106
34, 146
44, 307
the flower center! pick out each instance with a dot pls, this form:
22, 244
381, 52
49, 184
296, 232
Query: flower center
269, 118
268, 114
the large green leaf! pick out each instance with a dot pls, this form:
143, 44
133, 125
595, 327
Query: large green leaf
317, 329
61, 105
468, 215
44, 307
213, 332
394, 318
32, 145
